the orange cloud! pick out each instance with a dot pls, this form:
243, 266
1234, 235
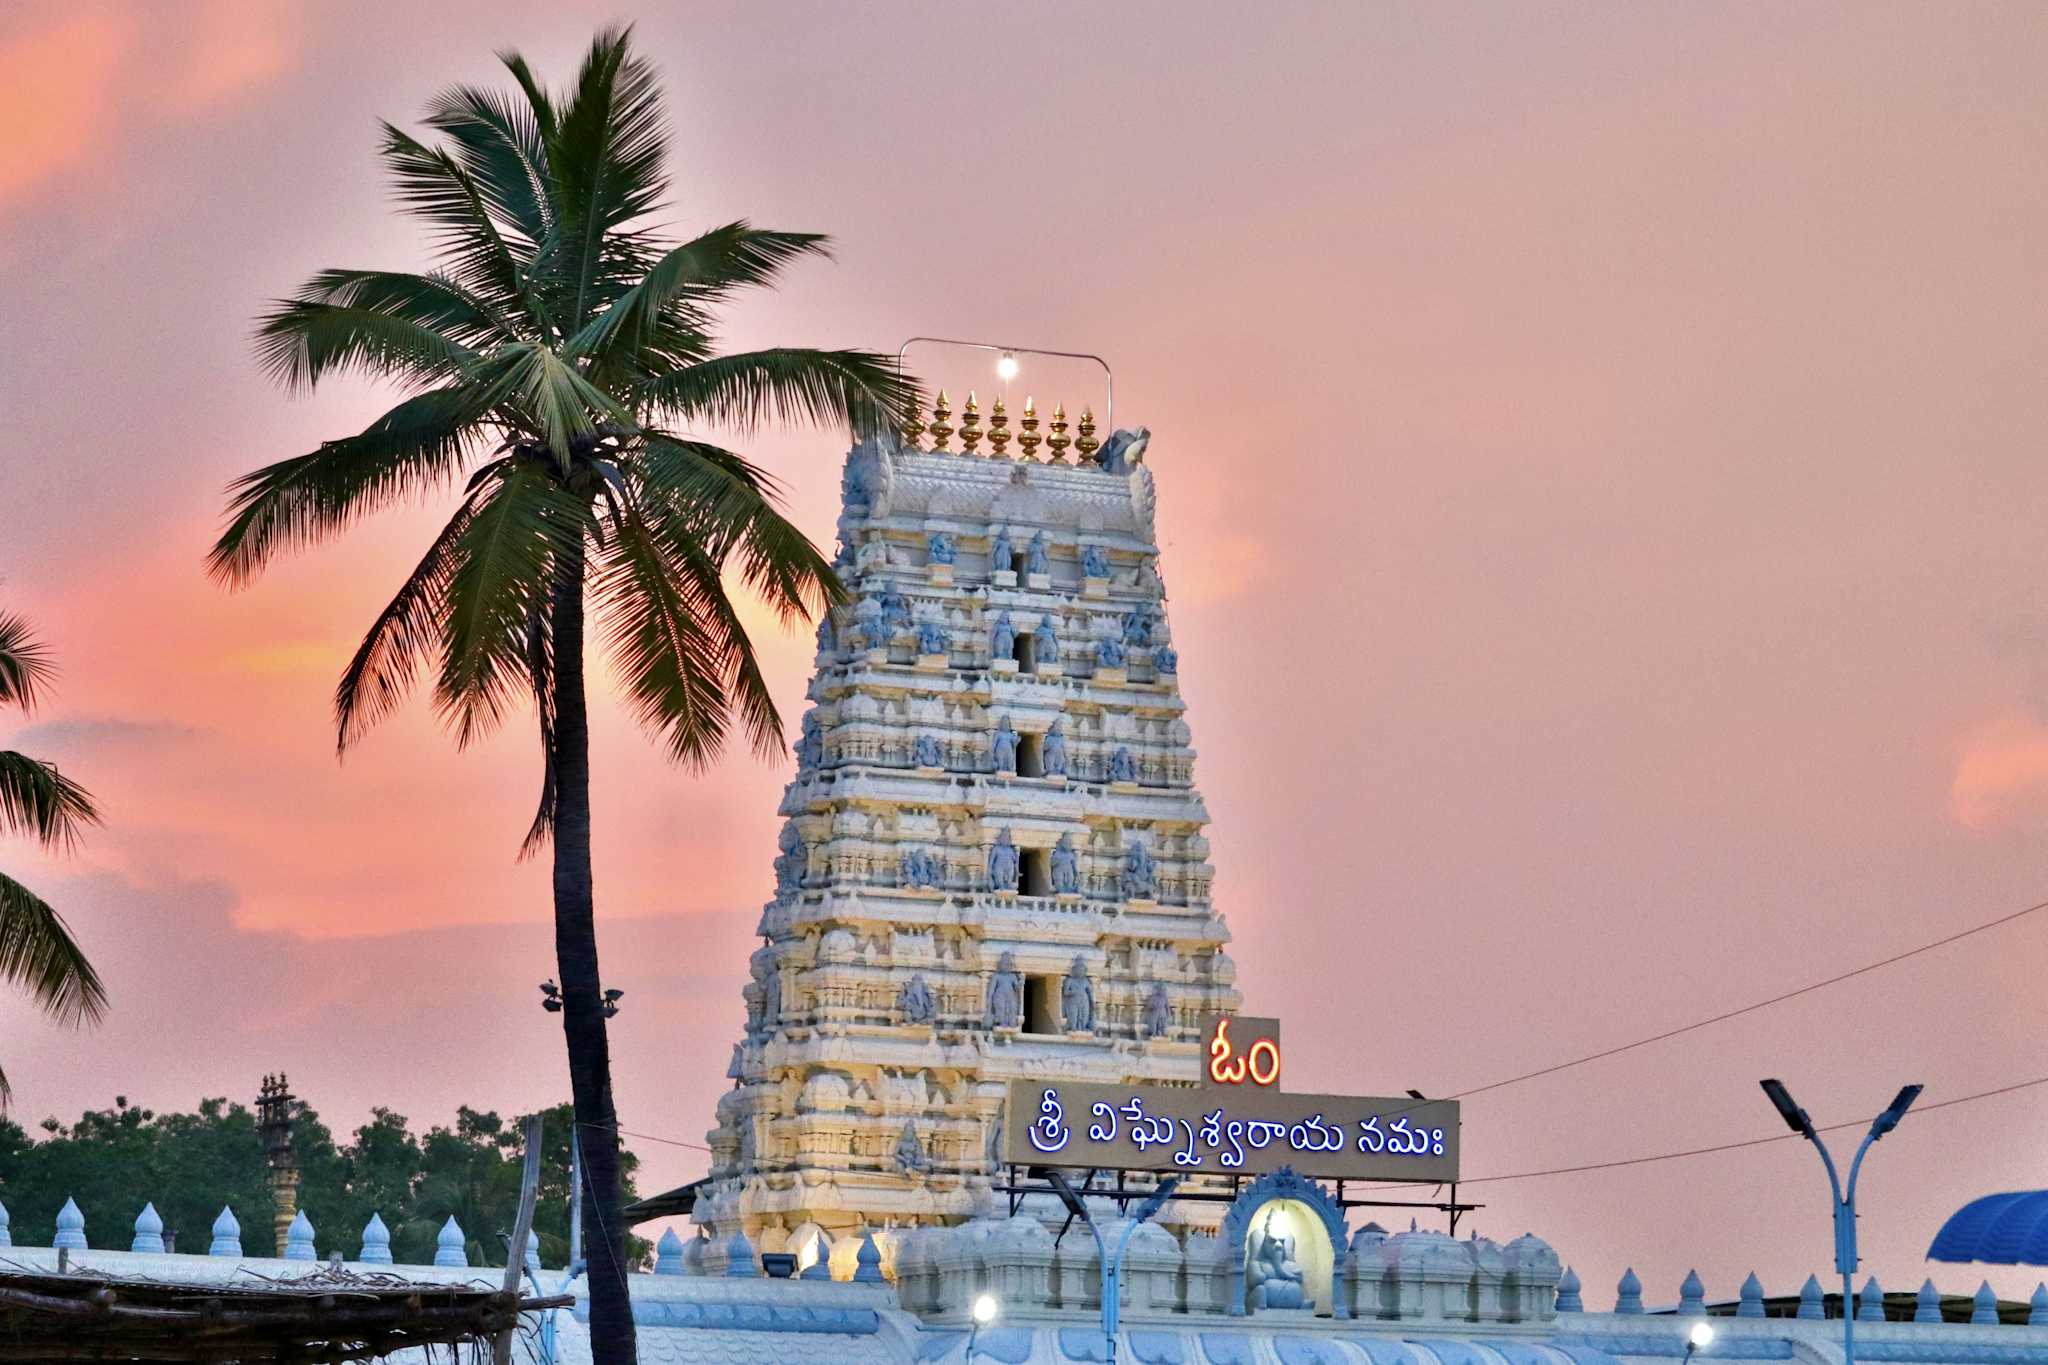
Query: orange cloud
56, 96
2001, 774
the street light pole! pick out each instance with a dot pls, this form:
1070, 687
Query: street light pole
1842, 1202
1113, 1266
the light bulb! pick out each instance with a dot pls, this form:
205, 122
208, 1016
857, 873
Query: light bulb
1701, 1336
985, 1309
1006, 368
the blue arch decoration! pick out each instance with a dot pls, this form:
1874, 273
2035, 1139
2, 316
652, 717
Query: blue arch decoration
1284, 1184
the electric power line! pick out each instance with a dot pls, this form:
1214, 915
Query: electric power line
1750, 1008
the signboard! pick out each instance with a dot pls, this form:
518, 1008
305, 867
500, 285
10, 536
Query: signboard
1236, 1130
1240, 1051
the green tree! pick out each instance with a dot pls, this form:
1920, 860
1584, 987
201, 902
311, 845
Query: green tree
552, 364
37, 952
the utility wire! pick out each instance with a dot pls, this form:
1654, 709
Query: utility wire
1720, 1147
1751, 1008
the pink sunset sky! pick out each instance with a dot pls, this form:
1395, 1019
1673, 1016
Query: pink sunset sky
1601, 469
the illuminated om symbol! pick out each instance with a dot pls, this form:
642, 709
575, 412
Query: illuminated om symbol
1261, 1061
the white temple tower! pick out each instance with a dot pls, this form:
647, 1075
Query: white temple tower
993, 864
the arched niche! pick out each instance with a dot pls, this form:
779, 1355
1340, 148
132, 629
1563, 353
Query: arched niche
1315, 1220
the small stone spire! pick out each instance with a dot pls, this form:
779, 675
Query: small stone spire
1927, 1303
1870, 1303
1809, 1300
867, 1268
1628, 1295
376, 1242
227, 1234
1751, 1304
941, 429
668, 1254
739, 1252
149, 1230
970, 425
999, 429
70, 1227
1692, 1296
298, 1239
1984, 1306
1568, 1300
2037, 1307
451, 1247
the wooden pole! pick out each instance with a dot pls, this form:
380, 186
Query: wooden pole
515, 1255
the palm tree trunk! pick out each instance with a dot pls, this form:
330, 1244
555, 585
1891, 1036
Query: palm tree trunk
583, 1021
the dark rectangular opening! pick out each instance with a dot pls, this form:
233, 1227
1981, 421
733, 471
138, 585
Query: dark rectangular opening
1017, 563
1042, 1005
1031, 756
1025, 652
1037, 872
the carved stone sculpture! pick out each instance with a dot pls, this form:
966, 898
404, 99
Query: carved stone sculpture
1165, 659
810, 746
1137, 625
1034, 555
1048, 638
916, 1001
867, 623
920, 867
1077, 998
1140, 877
789, 865
1004, 746
1006, 994
1109, 652
1002, 863
1158, 1015
939, 547
1066, 867
1002, 640
932, 636
1054, 753
1122, 767
1095, 561
1000, 556
925, 751
1272, 1274
771, 999
910, 1153
895, 611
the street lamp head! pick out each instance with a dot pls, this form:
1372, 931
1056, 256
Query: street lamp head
1795, 1117
1889, 1119
1006, 368
987, 1308
1701, 1336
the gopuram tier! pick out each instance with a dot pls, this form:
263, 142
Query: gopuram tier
992, 859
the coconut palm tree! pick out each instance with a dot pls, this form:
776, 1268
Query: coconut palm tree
554, 363
36, 951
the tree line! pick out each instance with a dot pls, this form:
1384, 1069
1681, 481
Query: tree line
192, 1164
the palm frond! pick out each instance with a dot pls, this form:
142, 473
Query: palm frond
38, 952
301, 341
501, 573
418, 445
676, 668
25, 664
37, 800
696, 273
433, 186
499, 146
403, 635
860, 389
540, 673
606, 157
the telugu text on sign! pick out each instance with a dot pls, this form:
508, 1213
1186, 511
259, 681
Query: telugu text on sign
1167, 1128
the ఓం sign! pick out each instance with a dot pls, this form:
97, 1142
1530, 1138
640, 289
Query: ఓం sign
1167, 1128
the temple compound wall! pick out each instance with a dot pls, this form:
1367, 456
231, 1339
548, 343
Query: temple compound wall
992, 862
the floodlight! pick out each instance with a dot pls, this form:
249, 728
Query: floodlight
1889, 1119
1701, 1336
1006, 368
986, 1308
1795, 1117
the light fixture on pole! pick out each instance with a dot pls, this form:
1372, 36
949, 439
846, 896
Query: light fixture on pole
986, 1309
1698, 1339
1006, 368
1844, 1202
1113, 1265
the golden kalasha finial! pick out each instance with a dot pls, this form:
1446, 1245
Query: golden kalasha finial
1029, 439
1085, 445
999, 429
1058, 442
913, 427
970, 425
941, 429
